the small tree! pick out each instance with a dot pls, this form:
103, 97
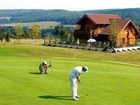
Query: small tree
114, 30
19, 32
44, 34
35, 31
7, 36
70, 39
1, 36
63, 34
26, 33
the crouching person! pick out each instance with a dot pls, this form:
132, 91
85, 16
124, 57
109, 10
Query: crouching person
43, 67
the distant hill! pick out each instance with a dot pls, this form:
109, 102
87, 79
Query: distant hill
63, 16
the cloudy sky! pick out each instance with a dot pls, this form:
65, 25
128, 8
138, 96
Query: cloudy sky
69, 4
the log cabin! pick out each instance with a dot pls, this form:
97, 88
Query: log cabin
104, 26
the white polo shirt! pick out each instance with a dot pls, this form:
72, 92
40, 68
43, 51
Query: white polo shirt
75, 71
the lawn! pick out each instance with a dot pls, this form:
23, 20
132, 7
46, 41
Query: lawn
113, 79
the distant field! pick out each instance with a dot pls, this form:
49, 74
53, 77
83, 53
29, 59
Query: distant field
43, 25
113, 78
5, 18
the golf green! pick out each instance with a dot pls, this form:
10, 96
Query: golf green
113, 79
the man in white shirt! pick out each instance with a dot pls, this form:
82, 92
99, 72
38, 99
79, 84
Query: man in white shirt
74, 77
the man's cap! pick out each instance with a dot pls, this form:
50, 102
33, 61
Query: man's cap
45, 62
85, 69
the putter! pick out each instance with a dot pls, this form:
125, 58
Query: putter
50, 63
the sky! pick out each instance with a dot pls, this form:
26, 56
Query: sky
72, 5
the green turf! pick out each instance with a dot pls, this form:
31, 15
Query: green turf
106, 83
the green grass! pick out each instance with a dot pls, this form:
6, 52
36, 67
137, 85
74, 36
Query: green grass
106, 83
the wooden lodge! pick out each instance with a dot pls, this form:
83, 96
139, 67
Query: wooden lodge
104, 26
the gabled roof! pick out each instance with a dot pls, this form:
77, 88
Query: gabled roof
121, 23
100, 18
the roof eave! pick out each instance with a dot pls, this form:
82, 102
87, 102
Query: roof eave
91, 19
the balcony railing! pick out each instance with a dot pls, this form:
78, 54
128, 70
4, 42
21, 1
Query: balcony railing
82, 33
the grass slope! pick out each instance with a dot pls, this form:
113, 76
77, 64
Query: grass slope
106, 83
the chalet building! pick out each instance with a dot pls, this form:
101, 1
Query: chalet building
103, 27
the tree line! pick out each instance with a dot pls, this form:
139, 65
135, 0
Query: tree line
59, 34
24, 16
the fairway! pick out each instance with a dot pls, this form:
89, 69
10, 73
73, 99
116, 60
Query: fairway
113, 79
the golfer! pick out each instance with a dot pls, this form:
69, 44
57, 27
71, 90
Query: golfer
43, 66
74, 77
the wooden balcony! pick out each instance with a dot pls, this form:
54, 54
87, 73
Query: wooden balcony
81, 33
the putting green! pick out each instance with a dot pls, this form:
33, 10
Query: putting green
106, 83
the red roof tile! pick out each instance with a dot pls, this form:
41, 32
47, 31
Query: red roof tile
121, 23
102, 18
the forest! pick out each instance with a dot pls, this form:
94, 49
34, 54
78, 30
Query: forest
65, 17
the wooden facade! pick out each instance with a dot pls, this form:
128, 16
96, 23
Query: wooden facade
127, 36
98, 26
